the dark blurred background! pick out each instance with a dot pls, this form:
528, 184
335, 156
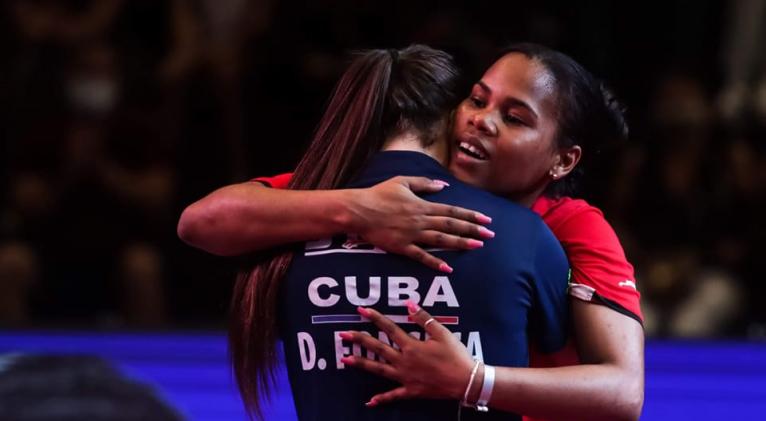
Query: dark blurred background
116, 114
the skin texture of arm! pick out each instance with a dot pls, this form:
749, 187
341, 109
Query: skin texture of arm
248, 217
241, 218
608, 385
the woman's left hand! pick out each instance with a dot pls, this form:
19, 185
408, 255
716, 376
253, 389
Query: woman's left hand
437, 368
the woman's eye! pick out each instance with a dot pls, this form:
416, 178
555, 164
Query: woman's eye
513, 120
476, 102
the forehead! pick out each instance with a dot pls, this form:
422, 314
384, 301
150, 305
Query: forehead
518, 76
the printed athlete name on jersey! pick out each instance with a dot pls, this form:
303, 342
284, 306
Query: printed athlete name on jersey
322, 291
325, 292
347, 244
310, 359
502, 296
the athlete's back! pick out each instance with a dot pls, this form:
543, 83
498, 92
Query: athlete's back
497, 299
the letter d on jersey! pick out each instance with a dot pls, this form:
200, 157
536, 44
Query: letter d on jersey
308, 351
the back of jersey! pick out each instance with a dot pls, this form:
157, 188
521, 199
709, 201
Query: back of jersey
498, 299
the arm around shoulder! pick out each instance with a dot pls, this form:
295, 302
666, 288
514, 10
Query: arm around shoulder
610, 339
608, 385
248, 217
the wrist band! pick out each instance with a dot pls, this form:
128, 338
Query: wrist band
464, 402
486, 388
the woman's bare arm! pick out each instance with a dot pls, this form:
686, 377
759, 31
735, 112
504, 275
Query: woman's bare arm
249, 217
609, 385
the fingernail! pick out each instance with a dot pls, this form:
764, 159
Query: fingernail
440, 183
474, 244
484, 219
363, 311
485, 233
346, 335
371, 403
445, 268
412, 307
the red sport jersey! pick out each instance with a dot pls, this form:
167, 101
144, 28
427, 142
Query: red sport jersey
600, 271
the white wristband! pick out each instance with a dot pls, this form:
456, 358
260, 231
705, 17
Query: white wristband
486, 388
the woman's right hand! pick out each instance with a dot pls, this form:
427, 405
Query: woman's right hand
392, 217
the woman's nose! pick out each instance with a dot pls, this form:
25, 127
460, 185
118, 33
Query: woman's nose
485, 123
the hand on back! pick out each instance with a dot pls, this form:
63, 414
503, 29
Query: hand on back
391, 216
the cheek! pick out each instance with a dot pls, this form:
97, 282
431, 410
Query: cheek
521, 162
462, 115
457, 128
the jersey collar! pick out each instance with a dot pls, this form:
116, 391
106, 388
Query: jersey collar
388, 164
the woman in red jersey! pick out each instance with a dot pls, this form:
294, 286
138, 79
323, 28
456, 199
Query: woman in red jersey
521, 134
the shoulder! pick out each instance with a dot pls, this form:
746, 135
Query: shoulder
600, 270
567, 212
579, 226
575, 221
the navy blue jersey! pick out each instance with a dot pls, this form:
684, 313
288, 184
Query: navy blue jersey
498, 299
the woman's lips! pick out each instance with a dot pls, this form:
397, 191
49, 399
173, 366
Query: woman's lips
470, 150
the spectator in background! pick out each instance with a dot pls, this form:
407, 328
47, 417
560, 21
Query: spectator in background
744, 62
81, 167
74, 388
688, 292
738, 203
200, 77
67, 22
117, 169
209, 37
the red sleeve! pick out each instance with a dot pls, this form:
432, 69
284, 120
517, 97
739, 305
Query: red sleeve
278, 181
600, 271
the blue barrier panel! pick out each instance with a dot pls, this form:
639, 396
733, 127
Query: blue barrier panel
685, 380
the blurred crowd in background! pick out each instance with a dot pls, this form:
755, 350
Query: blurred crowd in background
116, 114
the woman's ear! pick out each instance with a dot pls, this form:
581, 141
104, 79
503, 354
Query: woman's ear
566, 161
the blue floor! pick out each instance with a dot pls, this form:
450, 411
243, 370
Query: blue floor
685, 380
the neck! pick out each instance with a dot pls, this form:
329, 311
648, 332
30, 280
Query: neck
527, 201
530, 198
409, 141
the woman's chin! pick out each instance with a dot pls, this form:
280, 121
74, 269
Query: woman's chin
464, 160
468, 174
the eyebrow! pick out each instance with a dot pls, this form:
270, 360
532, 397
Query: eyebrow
513, 101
